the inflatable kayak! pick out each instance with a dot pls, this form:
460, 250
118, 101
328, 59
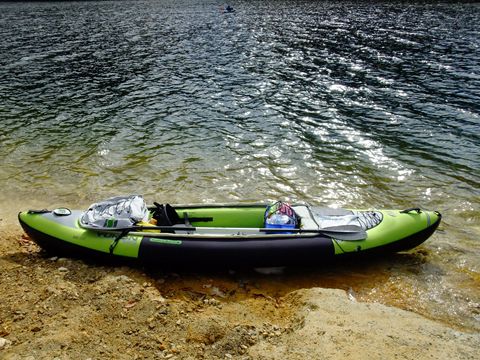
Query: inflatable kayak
226, 234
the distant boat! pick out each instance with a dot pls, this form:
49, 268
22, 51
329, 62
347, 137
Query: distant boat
228, 9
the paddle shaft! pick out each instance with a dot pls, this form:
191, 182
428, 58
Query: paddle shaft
345, 233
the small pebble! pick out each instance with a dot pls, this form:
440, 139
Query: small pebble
36, 329
62, 269
4, 343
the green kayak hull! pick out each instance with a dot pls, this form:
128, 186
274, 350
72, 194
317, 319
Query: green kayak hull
227, 235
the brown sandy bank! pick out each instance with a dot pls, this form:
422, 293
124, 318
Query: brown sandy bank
57, 308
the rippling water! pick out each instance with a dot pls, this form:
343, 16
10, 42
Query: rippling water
336, 103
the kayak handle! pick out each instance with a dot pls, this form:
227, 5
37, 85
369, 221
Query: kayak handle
43, 211
406, 211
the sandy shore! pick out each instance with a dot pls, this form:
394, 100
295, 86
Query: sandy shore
58, 308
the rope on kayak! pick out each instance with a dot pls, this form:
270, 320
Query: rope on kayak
358, 249
369, 219
336, 242
117, 239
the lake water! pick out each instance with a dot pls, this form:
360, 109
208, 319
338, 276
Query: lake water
357, 104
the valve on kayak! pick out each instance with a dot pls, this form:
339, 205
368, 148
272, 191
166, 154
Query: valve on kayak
62, 212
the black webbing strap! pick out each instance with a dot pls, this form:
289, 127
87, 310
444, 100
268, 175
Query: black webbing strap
406, 211
117, 239
43, 211
185, 219
200, 219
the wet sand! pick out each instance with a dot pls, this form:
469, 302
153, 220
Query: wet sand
72, 309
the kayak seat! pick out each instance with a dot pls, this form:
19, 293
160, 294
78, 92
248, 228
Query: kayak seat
165, 215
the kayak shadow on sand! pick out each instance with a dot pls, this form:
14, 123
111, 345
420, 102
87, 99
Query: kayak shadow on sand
227, 283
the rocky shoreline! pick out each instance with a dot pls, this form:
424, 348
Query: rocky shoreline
60, 308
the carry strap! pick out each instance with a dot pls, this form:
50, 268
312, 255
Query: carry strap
117, 239
43, 211
406, 211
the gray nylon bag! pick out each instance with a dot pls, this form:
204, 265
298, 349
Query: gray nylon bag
115, 212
